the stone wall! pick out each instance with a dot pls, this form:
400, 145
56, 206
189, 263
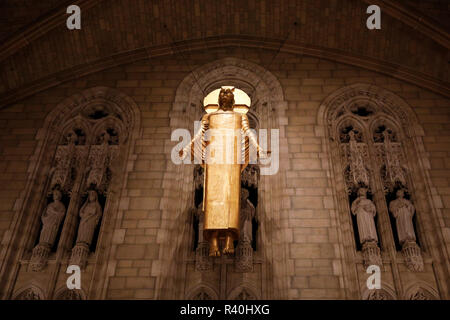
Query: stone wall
309, 214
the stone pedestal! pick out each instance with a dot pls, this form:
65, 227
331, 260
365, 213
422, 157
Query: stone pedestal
413, 256
202, 261
244, 257
371, 254
80, 253
39, 257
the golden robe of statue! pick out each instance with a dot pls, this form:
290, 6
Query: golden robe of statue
222, 178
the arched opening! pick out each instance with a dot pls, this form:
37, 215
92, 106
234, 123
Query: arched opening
264, 90
387, 158
78, 166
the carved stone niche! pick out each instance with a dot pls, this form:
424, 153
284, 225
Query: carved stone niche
69, 154
355, 155
420, 294
384, 293
379, 294
364, 210
67, 294
242, 293
243, 260
395, 184
203, 293
51, 218
90, 215
101, 159
30, 294
390, 159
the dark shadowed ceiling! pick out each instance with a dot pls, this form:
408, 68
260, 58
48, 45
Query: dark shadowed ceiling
38, 51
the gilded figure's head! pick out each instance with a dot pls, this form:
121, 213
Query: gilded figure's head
226, 99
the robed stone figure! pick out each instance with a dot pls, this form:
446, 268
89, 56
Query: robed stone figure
51, 220
90, 214
365, 211
403, 211
246, 217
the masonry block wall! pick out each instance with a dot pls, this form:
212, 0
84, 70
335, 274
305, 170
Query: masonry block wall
309, 212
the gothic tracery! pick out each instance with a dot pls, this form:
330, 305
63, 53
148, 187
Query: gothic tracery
370, 135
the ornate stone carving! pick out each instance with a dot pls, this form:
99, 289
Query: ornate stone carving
29, 294
202, 260
245, 295
90, 215
39, 257
62, 174
244, 251
80, 254
413, 256
244, 257
389, 154
365, 212
356, 156
250, 176
421, 294
357, 168
403, 211
51, 220
371, 254
100, 160
202, 295
379, 294
70, 295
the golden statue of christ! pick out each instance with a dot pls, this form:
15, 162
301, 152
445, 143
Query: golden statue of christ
224, 133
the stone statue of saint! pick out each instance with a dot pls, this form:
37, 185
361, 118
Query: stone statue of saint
90, 214
246, 216
365, 211
51, 220
403, 212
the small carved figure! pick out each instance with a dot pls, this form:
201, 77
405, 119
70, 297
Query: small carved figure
246, 216
104, 138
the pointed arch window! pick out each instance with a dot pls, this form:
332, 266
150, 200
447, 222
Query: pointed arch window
369, 139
